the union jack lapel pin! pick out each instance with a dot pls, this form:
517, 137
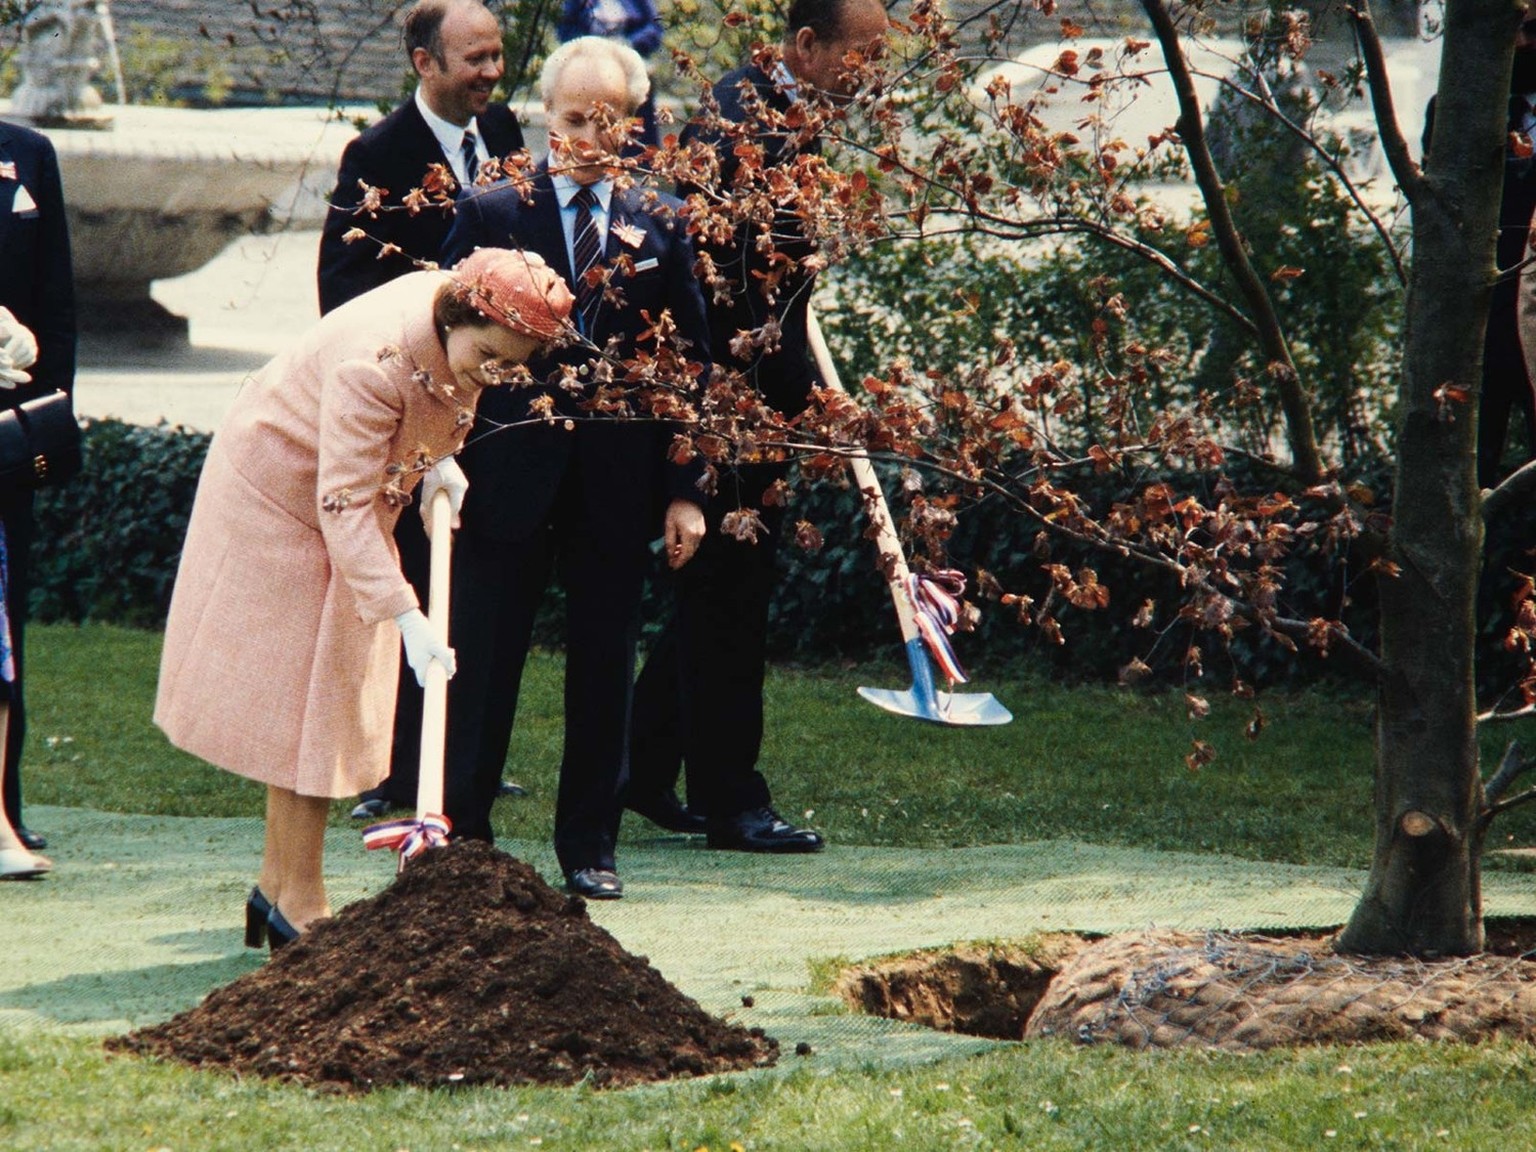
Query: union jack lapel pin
628, 233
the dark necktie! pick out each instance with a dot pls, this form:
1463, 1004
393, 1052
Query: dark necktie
585, 251
471, 158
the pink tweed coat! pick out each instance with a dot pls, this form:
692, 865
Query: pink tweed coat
281, 654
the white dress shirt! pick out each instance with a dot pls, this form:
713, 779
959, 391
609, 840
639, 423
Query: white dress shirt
450, 137
565, 192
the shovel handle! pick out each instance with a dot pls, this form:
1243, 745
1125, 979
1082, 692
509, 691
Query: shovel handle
434, 706
879, 512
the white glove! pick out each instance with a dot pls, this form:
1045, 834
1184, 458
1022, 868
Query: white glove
422, 645
18, 350
447, 475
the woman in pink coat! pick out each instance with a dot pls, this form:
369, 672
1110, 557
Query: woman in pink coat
280, 659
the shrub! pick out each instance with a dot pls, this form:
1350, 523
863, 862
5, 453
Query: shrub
108, 543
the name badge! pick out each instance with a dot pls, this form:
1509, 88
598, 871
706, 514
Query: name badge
646, 265
23, 204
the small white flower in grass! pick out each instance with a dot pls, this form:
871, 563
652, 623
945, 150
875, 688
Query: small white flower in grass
896, 1092
941, 1087
1361, 1115
1330, 1133
1193, 1128
1343, 1069
1049, 1108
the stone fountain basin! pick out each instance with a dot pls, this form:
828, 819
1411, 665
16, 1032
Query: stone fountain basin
164, 190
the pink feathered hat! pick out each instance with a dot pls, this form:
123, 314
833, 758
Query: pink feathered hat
516, 289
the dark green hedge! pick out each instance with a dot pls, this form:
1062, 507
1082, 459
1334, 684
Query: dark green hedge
108, 545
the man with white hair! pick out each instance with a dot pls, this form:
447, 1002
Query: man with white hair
555, 485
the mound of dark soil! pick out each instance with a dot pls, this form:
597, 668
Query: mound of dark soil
1248, 993
469, 969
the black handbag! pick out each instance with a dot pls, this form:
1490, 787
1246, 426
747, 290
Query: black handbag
39, 443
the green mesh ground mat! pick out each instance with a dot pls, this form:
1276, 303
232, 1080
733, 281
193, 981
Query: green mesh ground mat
143, 916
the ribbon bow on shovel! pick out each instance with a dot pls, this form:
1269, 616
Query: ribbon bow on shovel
936, 597
927, 606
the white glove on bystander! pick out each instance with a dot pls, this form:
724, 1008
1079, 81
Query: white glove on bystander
18, 350
422, 646
447, 475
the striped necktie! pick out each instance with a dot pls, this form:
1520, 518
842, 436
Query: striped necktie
471, 158
585, 251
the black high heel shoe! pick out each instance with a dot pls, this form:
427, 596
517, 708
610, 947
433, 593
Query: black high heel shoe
279, 931
257, 909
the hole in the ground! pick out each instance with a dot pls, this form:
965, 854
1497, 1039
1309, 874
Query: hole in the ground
980, 989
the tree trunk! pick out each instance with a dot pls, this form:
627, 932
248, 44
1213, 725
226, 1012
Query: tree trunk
1424, 893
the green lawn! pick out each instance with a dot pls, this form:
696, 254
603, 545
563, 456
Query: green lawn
1098, 764
1095, 765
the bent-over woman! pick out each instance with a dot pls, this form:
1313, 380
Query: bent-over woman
280, 657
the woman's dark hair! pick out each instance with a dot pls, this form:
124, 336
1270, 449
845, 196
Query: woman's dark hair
450, 308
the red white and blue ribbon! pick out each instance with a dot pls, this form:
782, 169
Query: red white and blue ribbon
410, 837
936, 598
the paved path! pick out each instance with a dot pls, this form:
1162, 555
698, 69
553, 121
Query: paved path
244, 307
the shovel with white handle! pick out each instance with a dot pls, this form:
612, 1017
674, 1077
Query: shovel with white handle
922, 701
430, 827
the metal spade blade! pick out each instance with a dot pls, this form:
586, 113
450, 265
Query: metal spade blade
923, 702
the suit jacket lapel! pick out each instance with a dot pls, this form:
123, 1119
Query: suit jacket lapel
424, 141
543, 208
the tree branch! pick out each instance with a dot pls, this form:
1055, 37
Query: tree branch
1272, 342
1409, 176
1329, 161
1514, 801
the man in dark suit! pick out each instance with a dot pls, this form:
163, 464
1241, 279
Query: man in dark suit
553, 483
37, 285
699, 699
1509, 386
455, 48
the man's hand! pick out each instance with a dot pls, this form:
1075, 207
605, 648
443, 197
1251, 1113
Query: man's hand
682, 530
18, 350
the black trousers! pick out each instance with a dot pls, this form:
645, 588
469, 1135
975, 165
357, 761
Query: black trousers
699, 698
16, 514
399, 786
1506, 390
497, 586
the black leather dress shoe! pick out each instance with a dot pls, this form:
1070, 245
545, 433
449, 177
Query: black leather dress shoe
762, 830
595, 883
372, 808
665, 810
30, 840
510, 788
